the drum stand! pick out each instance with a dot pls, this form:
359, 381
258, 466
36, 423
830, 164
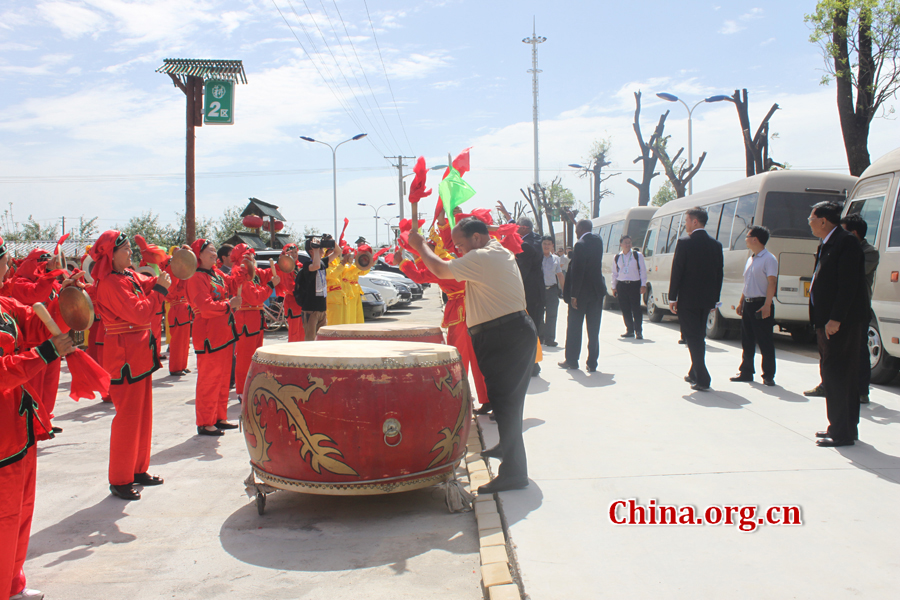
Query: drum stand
259, 490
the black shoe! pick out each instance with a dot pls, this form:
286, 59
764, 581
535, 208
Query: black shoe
485, 409
535, 370
56, 429
768, 381
591, 369
627, 334
186, 370
226, 425
864, 399
833, 443
817, 391
638, 336
823, 434
551, 344
503, 484
689, 379
495, 452
147, 479
177, 373
567, 365
700, 387
125, 492
205, 431
741, 377
682, 342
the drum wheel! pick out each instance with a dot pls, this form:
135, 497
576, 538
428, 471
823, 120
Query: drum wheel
260, 503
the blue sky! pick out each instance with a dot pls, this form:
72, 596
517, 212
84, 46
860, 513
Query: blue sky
88, 128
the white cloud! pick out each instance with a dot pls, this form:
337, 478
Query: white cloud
767, 42
73, 19
730, 27
752, 14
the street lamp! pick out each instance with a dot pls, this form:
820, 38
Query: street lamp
673, 98
376, 215
358, 136
590, 171
388, 223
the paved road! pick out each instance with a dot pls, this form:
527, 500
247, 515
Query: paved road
636, 430
199, 536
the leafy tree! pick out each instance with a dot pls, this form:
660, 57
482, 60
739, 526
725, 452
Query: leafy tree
664, 195
87, 228
228, 223
32, 230
860, 42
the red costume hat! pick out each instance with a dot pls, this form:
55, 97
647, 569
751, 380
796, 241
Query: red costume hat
240, 252
3, 248
287, 248
199, 246
102, 252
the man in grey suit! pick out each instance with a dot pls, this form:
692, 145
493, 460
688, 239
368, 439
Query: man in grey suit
694, 288
583, 291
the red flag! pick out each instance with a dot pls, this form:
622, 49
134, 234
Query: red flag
461, 162
60, 243
87, 376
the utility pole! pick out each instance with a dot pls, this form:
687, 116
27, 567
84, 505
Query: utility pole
400, 166
63, 226
534, 40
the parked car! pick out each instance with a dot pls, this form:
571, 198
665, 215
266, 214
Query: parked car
383, 268
373, 305
415, 289
383, 286
404, 292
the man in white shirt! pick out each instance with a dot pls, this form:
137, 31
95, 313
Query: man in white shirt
504, 337
553, 286
629, 284
563, 260
755, 307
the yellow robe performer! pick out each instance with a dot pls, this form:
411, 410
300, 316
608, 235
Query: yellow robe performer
335, 302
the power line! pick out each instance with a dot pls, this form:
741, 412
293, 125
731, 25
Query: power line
386, 78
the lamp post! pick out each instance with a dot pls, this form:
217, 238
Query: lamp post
376, 215
334, 166
673, 98
388, 223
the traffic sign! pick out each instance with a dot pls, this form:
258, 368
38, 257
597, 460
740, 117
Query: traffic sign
218, 102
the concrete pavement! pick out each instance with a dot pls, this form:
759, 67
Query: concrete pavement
636, 430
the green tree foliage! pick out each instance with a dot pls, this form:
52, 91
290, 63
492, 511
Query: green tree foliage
559, 197
228, 223
32, 230
860, 42
664, 195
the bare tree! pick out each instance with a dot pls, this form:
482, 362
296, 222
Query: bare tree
756, 149
678, 172
647, 157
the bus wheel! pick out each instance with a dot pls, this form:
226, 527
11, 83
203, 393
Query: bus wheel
654, 313
716, 326
884, 367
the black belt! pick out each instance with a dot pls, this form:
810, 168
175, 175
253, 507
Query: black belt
496, 322
550, 287
760, 299
628, 280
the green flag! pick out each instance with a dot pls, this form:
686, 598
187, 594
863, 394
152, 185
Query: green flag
454, 191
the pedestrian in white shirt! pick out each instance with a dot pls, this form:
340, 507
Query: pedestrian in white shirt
629, 284
755, 308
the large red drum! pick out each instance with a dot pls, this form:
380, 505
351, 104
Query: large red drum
356, 417
382, 331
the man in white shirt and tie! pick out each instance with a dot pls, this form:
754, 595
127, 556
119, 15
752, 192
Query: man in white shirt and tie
755, 308
629, 284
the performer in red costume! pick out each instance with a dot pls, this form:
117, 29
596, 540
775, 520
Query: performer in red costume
35, 281
25, 351
97, 331
253, 286
213, 335
292, 312
126, 301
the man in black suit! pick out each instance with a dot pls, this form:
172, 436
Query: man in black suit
839, 310
584, 290
529, 260
694, 288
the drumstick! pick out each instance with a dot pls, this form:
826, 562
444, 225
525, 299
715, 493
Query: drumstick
41, 311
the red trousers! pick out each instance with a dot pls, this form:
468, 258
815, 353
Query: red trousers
458, 337
243, 354
95, 341
129, 439
16, 510
295, 329
179, 347
213, 377
46, 385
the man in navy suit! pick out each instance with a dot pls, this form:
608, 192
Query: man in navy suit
694, 288
839, 309
583, 291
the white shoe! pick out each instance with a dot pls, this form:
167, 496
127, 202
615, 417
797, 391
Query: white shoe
27, 594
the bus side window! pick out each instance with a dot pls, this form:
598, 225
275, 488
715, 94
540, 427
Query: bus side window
650, 242
712, 224
675, 232
663, 235
724, 235
615, 234
894, 239
743, 221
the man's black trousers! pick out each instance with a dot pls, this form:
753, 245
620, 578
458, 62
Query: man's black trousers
590, 313
629, 295
693, 331
839, 367
756, 331
505, 355
551, 310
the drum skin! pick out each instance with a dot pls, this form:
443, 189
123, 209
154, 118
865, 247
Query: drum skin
384, 332
356, 417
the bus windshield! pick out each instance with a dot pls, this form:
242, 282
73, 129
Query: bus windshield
637, 229
785, 214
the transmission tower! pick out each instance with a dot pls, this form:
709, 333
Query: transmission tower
534, 40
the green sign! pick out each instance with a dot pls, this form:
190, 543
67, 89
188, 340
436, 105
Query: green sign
218, 102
